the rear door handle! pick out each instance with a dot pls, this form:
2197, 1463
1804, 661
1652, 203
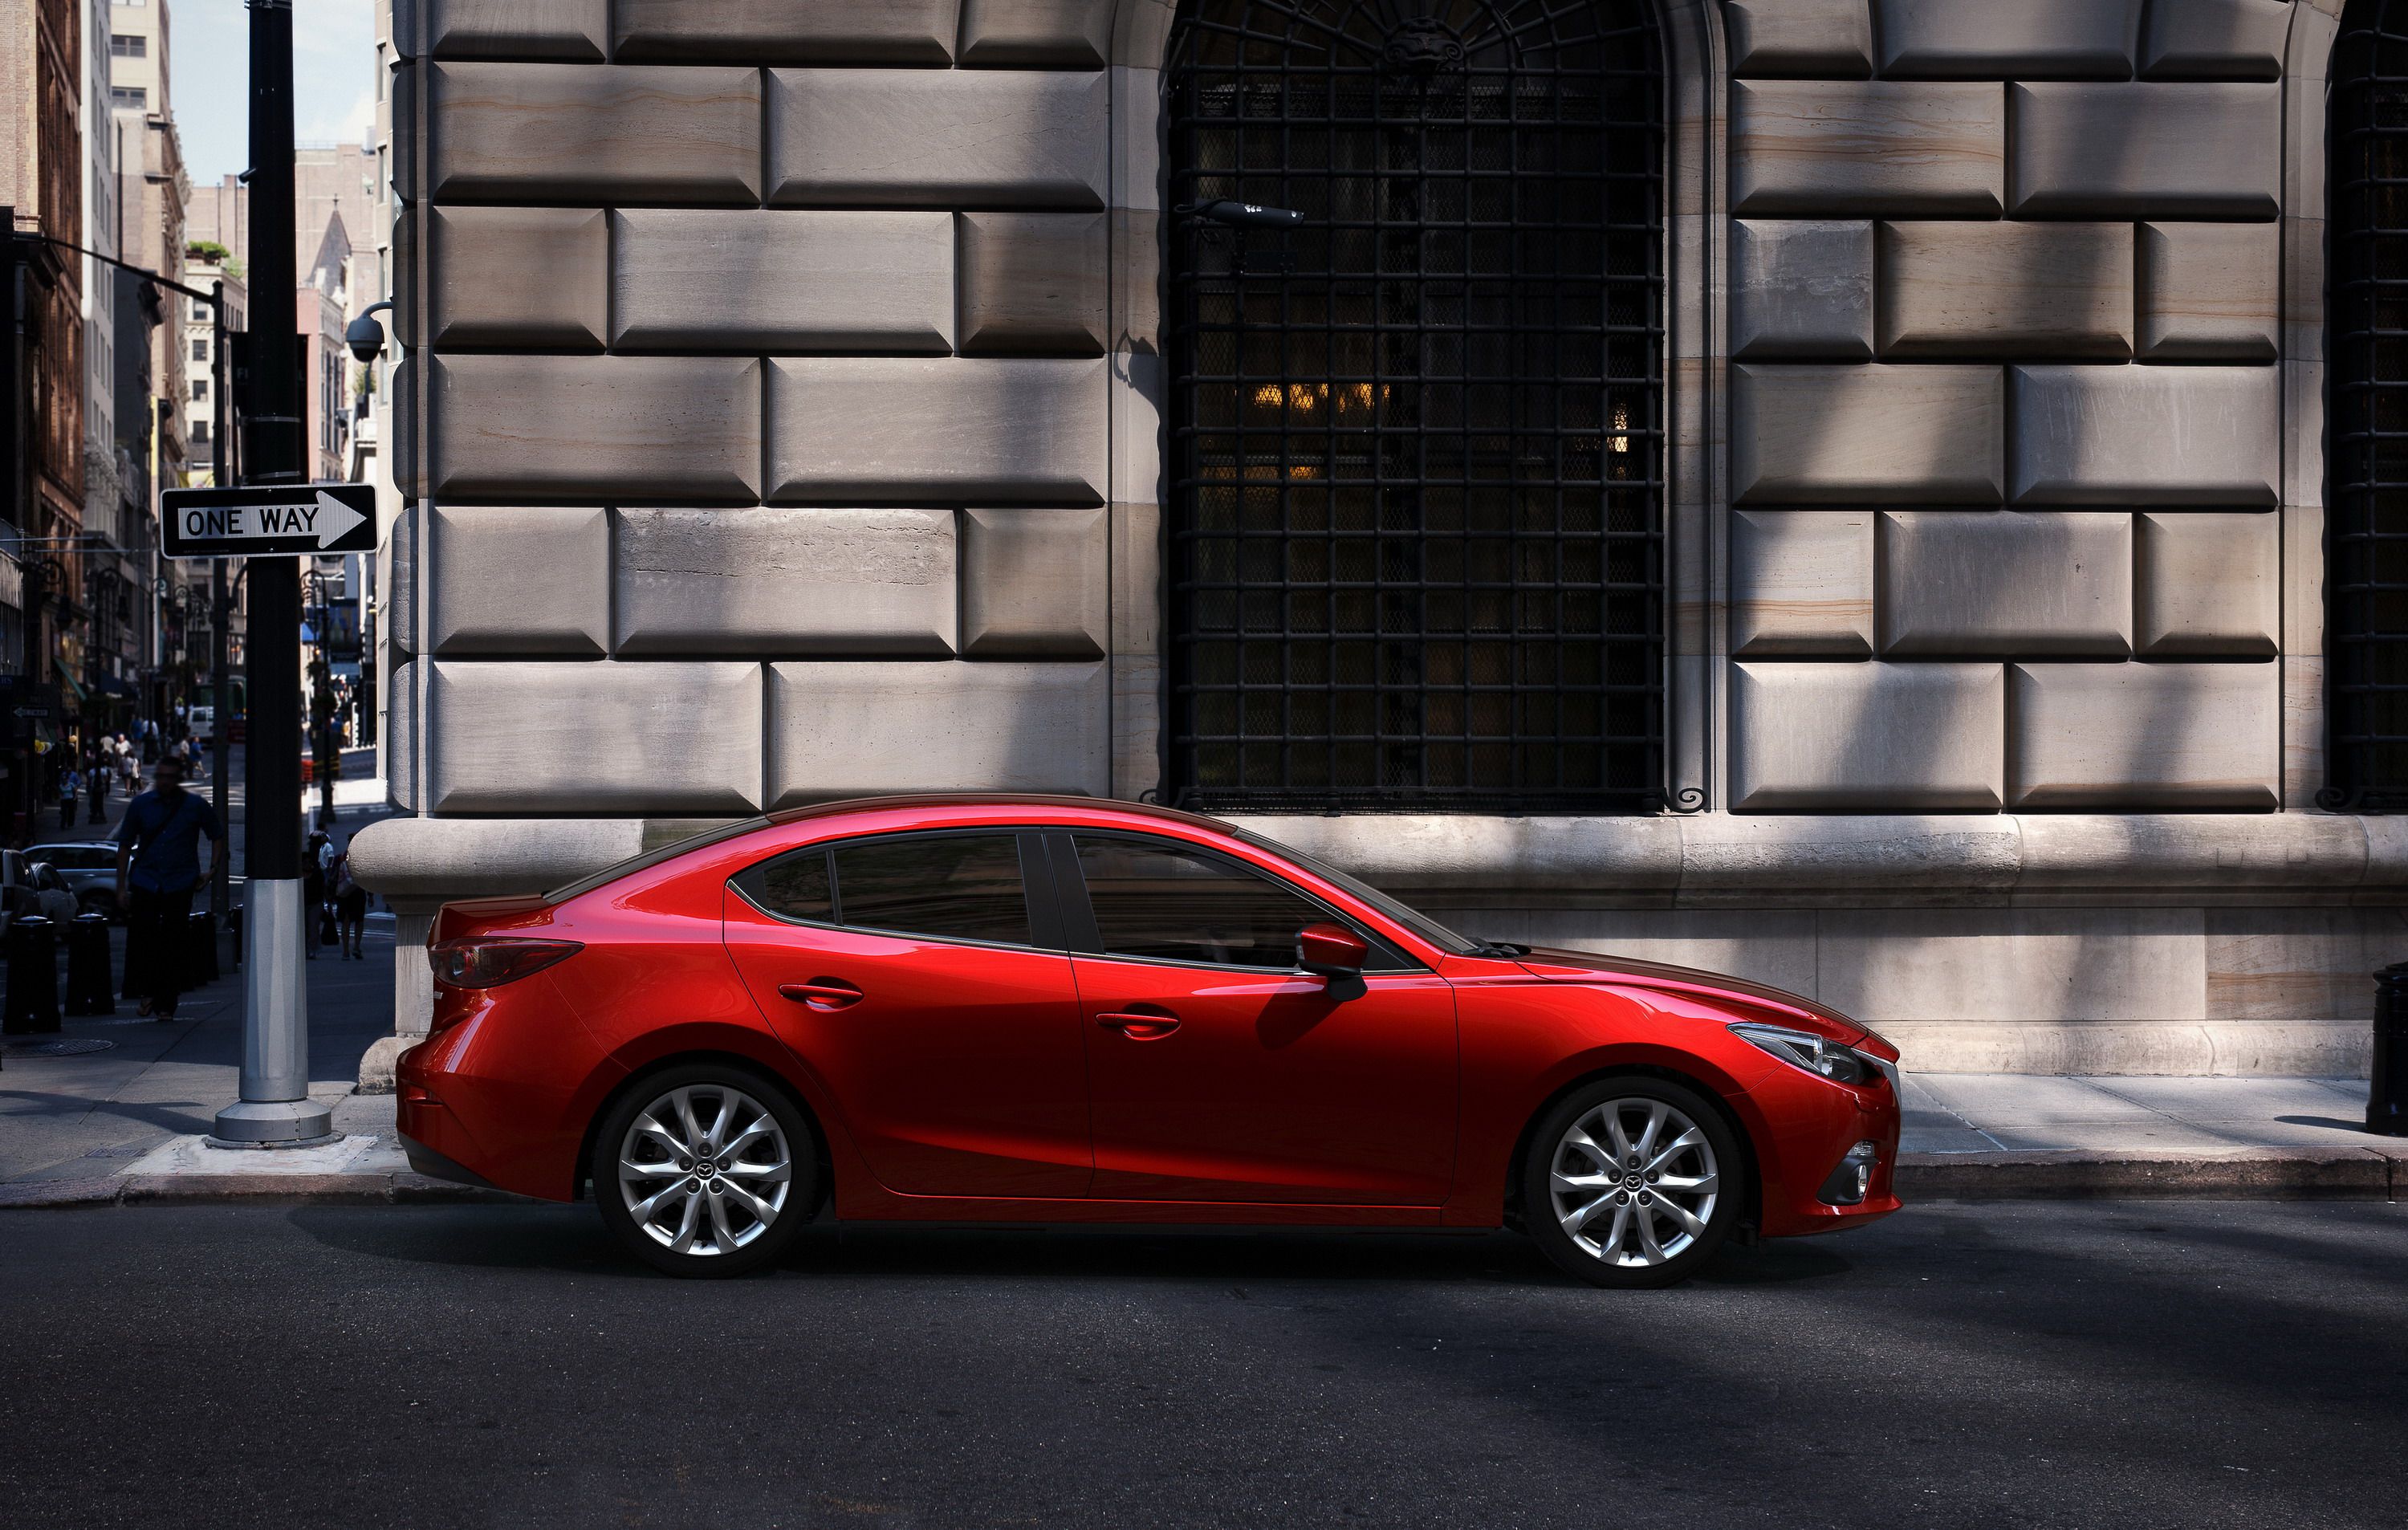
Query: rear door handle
1137, 1026
822, 993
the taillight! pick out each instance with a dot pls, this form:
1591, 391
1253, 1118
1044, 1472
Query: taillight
480, 961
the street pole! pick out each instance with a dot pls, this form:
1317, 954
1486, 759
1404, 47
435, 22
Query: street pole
275, 1107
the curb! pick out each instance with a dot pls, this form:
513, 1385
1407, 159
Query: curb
2349, 1174
403, 1188
2343, 1174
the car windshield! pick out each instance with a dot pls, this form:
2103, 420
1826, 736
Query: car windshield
650, 858
1421, 925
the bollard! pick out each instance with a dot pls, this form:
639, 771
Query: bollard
200, 950
33, 977
88, 966
2386, 1093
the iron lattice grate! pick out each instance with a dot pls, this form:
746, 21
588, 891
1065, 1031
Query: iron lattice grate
1416, 544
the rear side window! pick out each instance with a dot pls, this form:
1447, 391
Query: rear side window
948, 887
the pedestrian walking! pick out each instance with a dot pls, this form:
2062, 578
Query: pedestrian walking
70, 787
158, 869
319, 920
351, 906
100, 773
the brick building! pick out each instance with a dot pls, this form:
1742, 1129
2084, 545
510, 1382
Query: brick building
1833, 490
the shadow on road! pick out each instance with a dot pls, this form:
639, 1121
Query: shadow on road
571, 1239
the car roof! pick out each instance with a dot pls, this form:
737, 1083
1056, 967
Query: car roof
982, 801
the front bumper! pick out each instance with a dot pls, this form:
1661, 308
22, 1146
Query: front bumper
1804, 1127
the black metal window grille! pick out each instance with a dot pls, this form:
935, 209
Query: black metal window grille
1417, 555
2366, 456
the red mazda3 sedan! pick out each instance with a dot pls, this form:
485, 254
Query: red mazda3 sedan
1066, 1010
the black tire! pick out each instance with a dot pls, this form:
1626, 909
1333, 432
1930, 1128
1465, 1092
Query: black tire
1623, 1208
750, 1242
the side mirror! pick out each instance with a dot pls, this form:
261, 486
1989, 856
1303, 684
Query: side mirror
1335, 953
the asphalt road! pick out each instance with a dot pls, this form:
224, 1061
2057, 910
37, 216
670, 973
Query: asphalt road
2016, 1365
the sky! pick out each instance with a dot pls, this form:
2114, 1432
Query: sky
208, 54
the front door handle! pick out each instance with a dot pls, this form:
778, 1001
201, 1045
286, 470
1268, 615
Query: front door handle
1140, 1026
822, 993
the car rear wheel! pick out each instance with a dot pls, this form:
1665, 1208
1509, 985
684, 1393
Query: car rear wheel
706, 1169
1633, 1182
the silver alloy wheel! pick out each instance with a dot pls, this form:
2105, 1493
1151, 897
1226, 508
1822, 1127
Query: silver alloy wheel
1634, 1182
705, 1169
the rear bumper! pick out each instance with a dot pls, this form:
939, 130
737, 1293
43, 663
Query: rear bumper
426, 1160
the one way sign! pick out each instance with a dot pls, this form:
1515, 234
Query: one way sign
267, 521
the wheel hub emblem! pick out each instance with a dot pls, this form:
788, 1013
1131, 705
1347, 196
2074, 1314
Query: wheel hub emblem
707, 1169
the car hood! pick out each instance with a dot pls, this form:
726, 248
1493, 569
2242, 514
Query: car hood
1560, 965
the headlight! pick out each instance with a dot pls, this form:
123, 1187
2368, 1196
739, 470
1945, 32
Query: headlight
1804, 1048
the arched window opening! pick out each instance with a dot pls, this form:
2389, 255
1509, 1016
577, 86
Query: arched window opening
1417, 546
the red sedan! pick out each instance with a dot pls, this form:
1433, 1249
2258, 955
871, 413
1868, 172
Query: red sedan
1060, 1009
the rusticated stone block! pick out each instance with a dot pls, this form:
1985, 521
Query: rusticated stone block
1035, 584
1917, 737
786, 582
1042, 34
787, 31
2208, 582
1884, 434
1964, 289
2148, 150
519, 581
626, 428
397, 560
758, 281
607, 738
938, 138
1960, 584
1801, 288
867, 728
533, 278
571, 31
1841, 148
1033, 281
2144, 436
1801, 584
2209, 291
2135, 737
2215, 39
524, 132
873, 430
1817, 39
397, 756
2008, 40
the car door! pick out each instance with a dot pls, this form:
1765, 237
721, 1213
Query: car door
1218, 1071
929, 990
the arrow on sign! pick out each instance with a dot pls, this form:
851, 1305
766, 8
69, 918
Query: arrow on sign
335, 520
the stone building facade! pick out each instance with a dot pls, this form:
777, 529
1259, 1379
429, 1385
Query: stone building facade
808, 400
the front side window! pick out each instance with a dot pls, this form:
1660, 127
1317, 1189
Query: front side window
944, 886
1168, 903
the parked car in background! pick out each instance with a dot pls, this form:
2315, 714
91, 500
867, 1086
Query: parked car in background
28, 886
89, 870
1041, 1009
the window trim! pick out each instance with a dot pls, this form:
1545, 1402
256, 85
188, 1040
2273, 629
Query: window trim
1086, 936
1044, 915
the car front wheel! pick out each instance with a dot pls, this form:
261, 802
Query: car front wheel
1633, 1182
706, 1169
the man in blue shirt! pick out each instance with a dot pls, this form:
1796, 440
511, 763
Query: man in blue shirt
159, 853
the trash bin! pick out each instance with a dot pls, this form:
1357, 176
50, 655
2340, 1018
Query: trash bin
33, 977
2386, 1093
88, 986
201, 950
